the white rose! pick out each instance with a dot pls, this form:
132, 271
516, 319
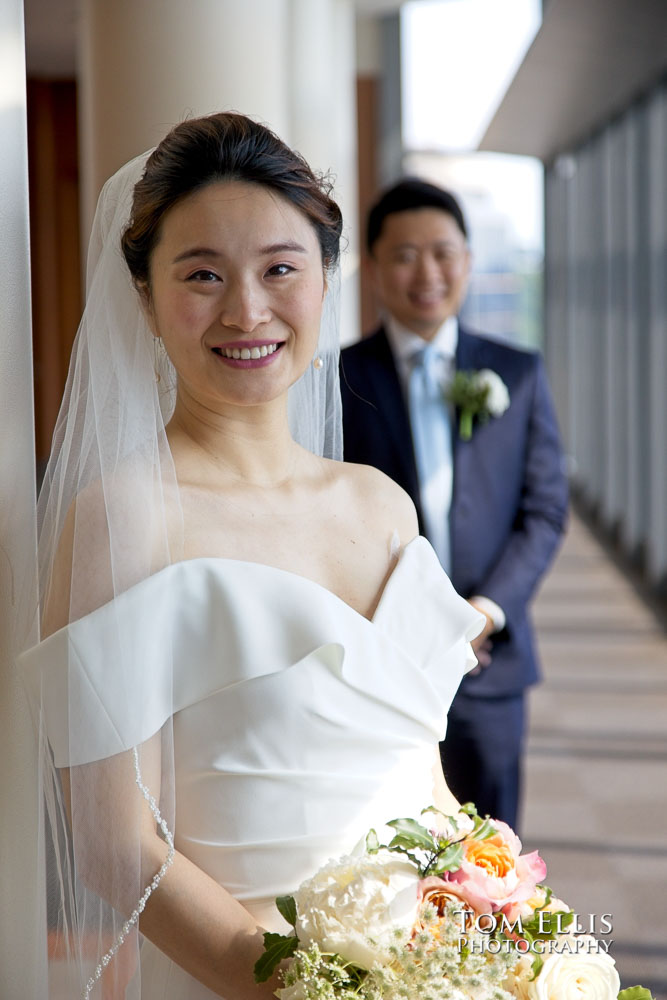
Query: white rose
356, 905
498, 398
566, 975
519, 981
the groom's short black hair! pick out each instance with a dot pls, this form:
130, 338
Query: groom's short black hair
409, 194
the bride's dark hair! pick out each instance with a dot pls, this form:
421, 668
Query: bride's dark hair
225, 146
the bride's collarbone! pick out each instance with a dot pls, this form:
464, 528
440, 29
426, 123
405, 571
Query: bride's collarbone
320, 534
353, 569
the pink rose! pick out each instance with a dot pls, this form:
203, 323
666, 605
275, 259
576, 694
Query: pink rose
494, 873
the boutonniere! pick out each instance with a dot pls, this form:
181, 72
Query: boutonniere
477, 394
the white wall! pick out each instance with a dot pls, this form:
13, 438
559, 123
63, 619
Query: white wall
21, 944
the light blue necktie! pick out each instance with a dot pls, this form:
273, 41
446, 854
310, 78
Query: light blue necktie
432, 439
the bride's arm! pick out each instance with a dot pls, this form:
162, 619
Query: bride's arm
443, 799
189, 916
205, 930
197, 923
118, 849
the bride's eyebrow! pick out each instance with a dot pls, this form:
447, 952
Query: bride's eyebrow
283, 247
196, 252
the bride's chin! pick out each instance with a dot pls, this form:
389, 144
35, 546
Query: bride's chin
257, 400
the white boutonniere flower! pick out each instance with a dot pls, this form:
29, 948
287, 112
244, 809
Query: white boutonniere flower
477, 394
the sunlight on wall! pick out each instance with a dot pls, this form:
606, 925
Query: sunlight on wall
12, 77
458, 58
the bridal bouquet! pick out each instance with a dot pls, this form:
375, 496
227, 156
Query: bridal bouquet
449, 910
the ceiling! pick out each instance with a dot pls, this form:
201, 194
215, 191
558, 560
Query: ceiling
587, 63
50, 28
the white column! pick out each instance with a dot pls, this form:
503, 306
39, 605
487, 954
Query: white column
145, 66
656, 166
322, 82
291, 63
22, 937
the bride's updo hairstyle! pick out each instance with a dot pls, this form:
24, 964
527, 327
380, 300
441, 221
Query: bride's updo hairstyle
224, 147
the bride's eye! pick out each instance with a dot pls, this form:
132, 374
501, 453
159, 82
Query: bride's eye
203, 275
278, 270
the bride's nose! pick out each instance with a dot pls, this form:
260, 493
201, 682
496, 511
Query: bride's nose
244, 306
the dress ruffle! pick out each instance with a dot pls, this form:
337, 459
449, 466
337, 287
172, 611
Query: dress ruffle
203, 625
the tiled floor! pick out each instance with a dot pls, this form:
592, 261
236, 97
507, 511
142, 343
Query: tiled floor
595, 796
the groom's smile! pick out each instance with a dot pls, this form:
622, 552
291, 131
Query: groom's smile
420, 265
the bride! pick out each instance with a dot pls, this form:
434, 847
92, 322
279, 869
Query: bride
247, 655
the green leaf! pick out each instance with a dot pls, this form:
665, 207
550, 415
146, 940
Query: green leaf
536, 966
410, 833
372, 842
635, 993
276, 948
485, 830
553, 923
287, 909
449, 861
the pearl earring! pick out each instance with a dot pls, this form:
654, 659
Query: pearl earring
318, 364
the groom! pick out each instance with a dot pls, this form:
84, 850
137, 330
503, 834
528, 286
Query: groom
493, 506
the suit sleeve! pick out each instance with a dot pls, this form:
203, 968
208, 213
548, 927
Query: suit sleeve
542, 514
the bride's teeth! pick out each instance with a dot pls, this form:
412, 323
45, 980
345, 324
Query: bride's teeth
248, 353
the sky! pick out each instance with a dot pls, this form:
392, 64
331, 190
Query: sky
458, 59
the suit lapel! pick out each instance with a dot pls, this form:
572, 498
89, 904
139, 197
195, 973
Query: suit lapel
467, 358
388, 397
467, 350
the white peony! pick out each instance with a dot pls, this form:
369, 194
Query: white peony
568, 976
297, 991
498, 398
358, 907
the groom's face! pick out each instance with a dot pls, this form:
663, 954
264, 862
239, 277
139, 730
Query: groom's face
420, 266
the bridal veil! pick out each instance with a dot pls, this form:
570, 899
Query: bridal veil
109, 517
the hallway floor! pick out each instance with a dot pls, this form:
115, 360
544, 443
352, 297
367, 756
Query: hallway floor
595, 795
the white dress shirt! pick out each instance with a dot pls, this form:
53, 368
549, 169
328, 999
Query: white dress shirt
404, 345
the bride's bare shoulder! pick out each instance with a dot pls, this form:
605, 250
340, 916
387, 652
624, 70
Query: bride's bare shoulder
381, 503
112, 536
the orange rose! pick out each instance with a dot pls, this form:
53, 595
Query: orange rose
493, 855
494, 872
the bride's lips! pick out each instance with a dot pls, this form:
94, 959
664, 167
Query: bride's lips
248, 353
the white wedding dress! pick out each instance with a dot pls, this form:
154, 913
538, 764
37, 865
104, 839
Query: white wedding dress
298, 723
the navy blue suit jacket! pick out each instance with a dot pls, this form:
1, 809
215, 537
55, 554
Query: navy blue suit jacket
509, 503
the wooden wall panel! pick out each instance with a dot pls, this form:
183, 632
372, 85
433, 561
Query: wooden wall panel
367, 144
55, 244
